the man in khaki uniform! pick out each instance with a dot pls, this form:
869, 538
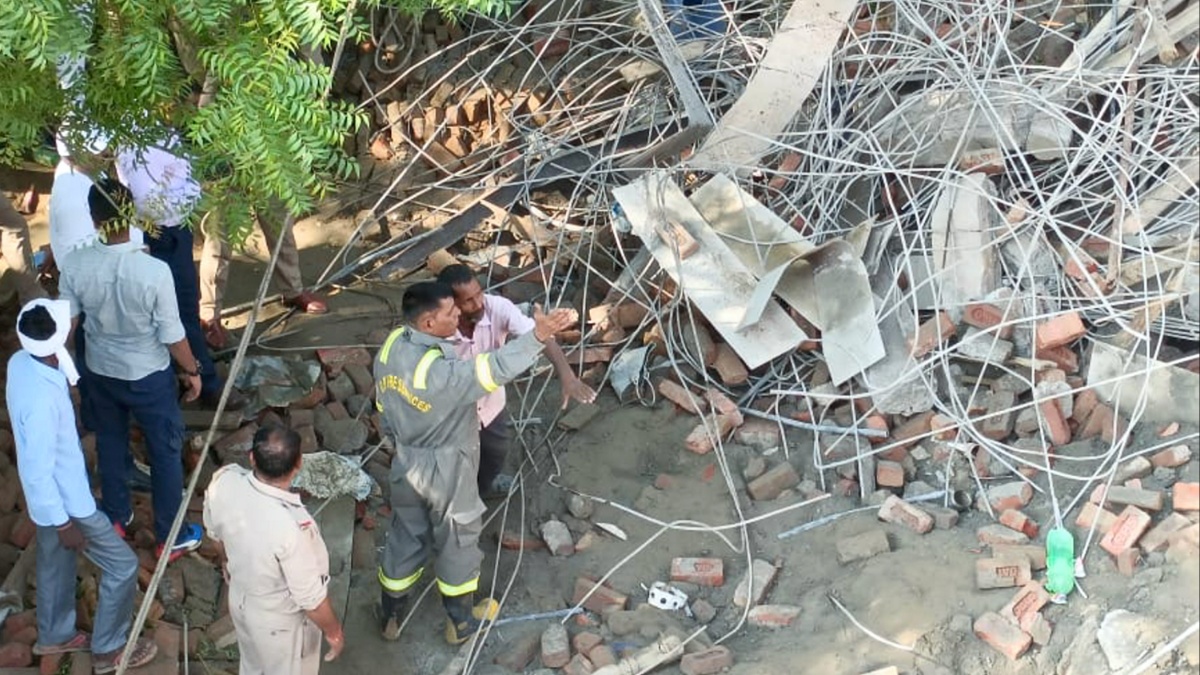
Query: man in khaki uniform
276, 562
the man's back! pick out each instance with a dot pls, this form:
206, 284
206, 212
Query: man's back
128, 298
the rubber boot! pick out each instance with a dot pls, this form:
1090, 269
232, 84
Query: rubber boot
392, 609
465, 618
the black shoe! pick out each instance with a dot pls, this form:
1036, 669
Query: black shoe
464, 618
392, 609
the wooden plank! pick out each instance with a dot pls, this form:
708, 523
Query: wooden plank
795, 59
336, 521
713, 279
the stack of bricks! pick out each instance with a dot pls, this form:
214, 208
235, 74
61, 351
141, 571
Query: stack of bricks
1144, 525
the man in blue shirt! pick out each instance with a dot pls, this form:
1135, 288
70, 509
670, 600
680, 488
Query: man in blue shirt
59, 500
133, 333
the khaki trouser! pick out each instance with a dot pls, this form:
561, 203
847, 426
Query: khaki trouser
273, 643
19, 278
216, 254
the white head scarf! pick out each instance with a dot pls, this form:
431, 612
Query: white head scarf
60, 311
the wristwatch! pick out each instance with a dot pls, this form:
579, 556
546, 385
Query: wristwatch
195, 372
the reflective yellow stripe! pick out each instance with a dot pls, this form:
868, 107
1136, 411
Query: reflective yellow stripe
423, 367
461, 589
483, 372
401, 585
387, 344
379, 405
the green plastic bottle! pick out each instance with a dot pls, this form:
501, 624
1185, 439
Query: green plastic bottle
1060, 562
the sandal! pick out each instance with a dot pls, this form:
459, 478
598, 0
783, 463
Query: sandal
79, 642
144, 652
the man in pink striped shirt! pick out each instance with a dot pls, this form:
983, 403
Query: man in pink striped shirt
485, 323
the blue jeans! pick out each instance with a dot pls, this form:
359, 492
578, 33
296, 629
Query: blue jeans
56, 585
173, 245
152, 401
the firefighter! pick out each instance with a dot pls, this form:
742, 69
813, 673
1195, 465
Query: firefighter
427, 399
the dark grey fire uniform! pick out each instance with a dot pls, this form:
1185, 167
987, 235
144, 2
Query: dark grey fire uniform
427, 396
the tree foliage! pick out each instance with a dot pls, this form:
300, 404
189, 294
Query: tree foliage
268, 134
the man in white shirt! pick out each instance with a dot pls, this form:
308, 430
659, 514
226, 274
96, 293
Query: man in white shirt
70, 221
59, 500
165, 193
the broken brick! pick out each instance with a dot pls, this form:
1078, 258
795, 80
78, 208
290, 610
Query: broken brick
769, 485
1009, 496
1056, 424
1130, 525
700, 571
681, 397
1104, 518
585, 641
985, 315
992, 535
729, 366
889, 474
1127, 561
773, 616
930, 334
707, 662
602, 598
1151, 500
1061, 330
701, 438
1172, 457
1007, 572
1185, 496
897, 511
1001, 635
1156, 539
1027, 602
1019, 522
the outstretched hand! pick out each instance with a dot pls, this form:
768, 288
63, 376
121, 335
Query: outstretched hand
546, 326
574, 388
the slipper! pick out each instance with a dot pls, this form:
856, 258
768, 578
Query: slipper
144, 652
80, 642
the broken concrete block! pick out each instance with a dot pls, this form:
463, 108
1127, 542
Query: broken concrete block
769, 485
763, 574
860, 547
556, 646
558, 538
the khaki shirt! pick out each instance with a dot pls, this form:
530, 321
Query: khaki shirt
275, 553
